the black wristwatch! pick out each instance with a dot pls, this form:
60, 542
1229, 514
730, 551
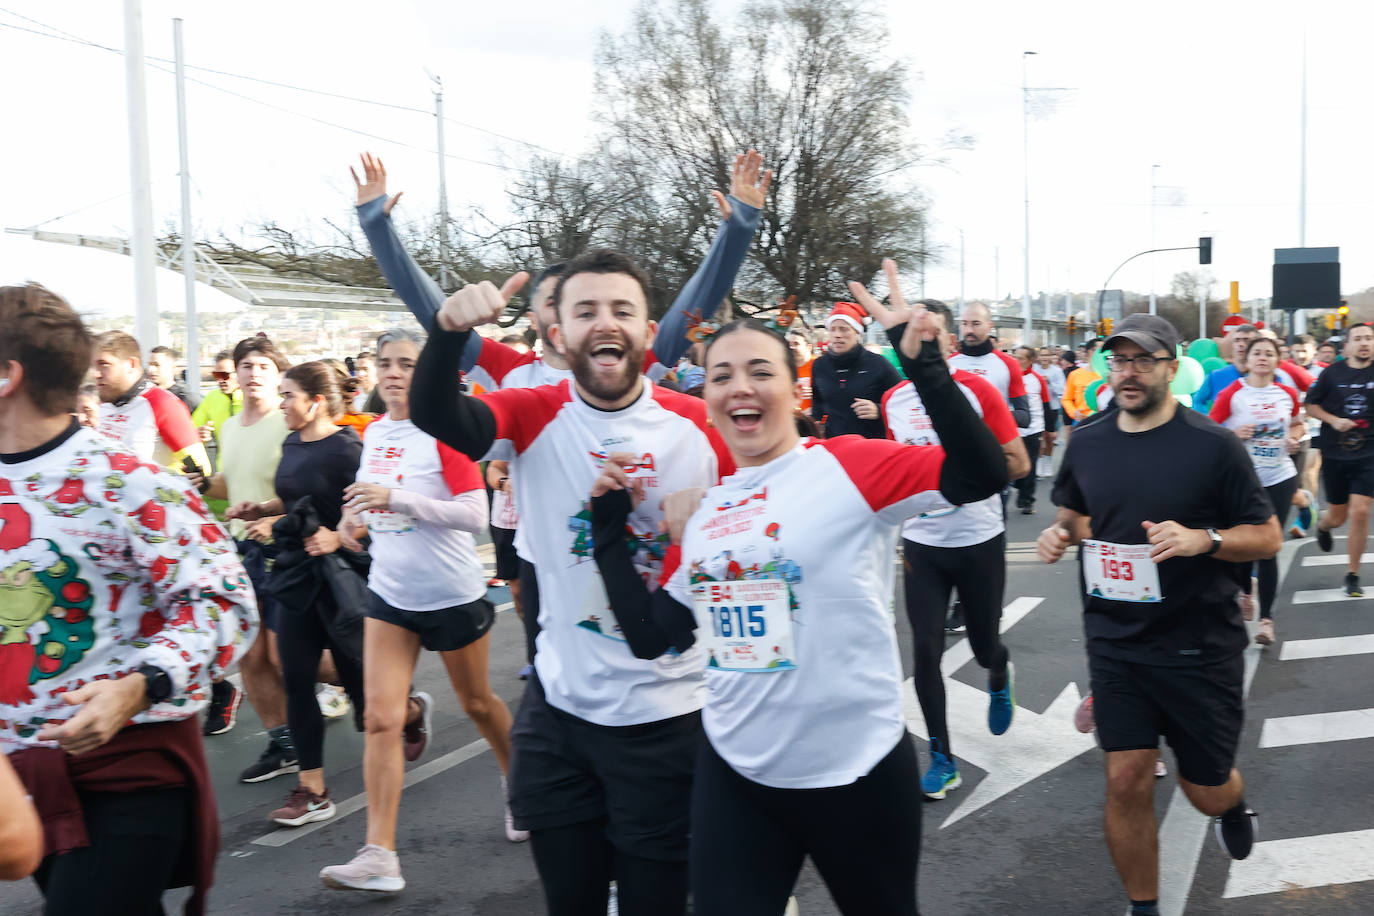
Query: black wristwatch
159, 686
1216, 541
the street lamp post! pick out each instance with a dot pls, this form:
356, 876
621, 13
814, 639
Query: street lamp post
1025, 171
1154, 202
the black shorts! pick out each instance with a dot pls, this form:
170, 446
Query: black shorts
1199, 708
255, 558
443, 630
1342, 477
638, 778
507, 560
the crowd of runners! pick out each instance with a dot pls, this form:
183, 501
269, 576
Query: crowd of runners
713, 688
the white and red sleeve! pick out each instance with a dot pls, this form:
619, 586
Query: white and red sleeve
495, 361
887, 396
173, 420
461, 473
1221, 407
896, 481
996, 412
1294, 397
521, 414
1015, 386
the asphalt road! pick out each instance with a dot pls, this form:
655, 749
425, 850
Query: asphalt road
1022, 836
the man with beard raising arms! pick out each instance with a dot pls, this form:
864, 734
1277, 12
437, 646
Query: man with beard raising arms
1169, 515
604, 743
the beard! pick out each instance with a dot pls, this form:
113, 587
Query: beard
1153, 396
616, 386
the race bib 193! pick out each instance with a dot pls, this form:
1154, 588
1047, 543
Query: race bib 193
745, 624
1120, 572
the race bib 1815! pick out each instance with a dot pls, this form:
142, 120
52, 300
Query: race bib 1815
745, 624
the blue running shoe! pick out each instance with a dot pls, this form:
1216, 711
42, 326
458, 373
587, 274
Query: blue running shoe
1002, 704
943, 774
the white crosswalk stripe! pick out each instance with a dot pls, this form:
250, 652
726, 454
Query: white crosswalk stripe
1318, 728
1311, 861
1330, 647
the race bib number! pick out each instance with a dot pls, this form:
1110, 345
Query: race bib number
1120, 572
1267, 453
384, 521
746, 625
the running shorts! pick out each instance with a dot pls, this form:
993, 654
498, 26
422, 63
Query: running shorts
1341, 477
443, 630
638, 778
1199, 709
257, 558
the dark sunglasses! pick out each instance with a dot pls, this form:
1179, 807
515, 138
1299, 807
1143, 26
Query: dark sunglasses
220, 375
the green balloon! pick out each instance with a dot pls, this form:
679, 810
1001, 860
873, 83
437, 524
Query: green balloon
1203, 350
1099, 362
1189, 377
1090, 394
1212, 364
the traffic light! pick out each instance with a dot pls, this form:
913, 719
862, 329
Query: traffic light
1330, 322
1204, 250
1106, 326
1073, 325
1344, 313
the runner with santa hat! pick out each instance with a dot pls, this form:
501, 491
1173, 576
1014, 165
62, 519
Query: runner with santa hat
847, 381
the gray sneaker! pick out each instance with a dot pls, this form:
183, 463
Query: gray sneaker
372, 869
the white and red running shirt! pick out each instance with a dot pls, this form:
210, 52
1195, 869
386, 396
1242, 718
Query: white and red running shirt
823, 518
1038, 400
997, 367
418, 564
108, 563
556, 444
153, 424
942, 524
1269, 410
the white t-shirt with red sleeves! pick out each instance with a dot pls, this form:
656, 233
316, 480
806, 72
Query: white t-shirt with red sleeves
997, 367
944, 524
153, 424
1269, 410
1038, 398
557, 444
418, 565
826, 715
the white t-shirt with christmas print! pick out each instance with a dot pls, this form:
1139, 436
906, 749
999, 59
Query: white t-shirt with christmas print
557, 444
819, 702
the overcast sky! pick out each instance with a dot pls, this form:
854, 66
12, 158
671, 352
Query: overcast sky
1207, 90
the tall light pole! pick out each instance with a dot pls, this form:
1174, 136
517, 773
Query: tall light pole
961, 268
1300, 316
142, 245
188, 244
1154, 202
443, 184
1025, 171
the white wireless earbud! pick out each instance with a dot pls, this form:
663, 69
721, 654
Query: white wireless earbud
4, 385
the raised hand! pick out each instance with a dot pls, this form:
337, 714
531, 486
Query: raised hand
615, 477
478, 303
746, 185
919, 324
375, 184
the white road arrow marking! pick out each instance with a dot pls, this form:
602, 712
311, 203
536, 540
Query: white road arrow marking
1318, 728
1308, 861
1036, 743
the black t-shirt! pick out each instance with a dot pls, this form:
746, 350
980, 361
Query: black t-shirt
1191, 471
1344, 391
321, 469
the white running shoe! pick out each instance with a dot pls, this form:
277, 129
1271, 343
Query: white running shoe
333, 701
372, 869
515, 836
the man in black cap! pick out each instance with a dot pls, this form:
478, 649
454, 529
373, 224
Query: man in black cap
1168, 515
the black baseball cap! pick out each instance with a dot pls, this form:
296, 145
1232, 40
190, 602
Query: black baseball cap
1149, 331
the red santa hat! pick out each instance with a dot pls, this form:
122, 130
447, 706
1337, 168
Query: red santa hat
1231, 323
850, 313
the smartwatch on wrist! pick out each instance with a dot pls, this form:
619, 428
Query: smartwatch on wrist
1216, 541
159, 685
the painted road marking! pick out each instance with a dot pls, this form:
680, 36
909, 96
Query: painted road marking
1330, 647
1322, 596
1328, 559
359, 802
1318, 728
1309, 861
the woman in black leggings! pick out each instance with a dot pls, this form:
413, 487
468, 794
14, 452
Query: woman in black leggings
807, 753
1265, 415
318, 460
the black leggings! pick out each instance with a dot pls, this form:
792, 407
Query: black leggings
748, 840
576, 864
1025, 487
529, 606
1281, 496
136, 839
301, 639
979, 572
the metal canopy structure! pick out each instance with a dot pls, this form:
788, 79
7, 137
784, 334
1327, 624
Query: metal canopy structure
249, 283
